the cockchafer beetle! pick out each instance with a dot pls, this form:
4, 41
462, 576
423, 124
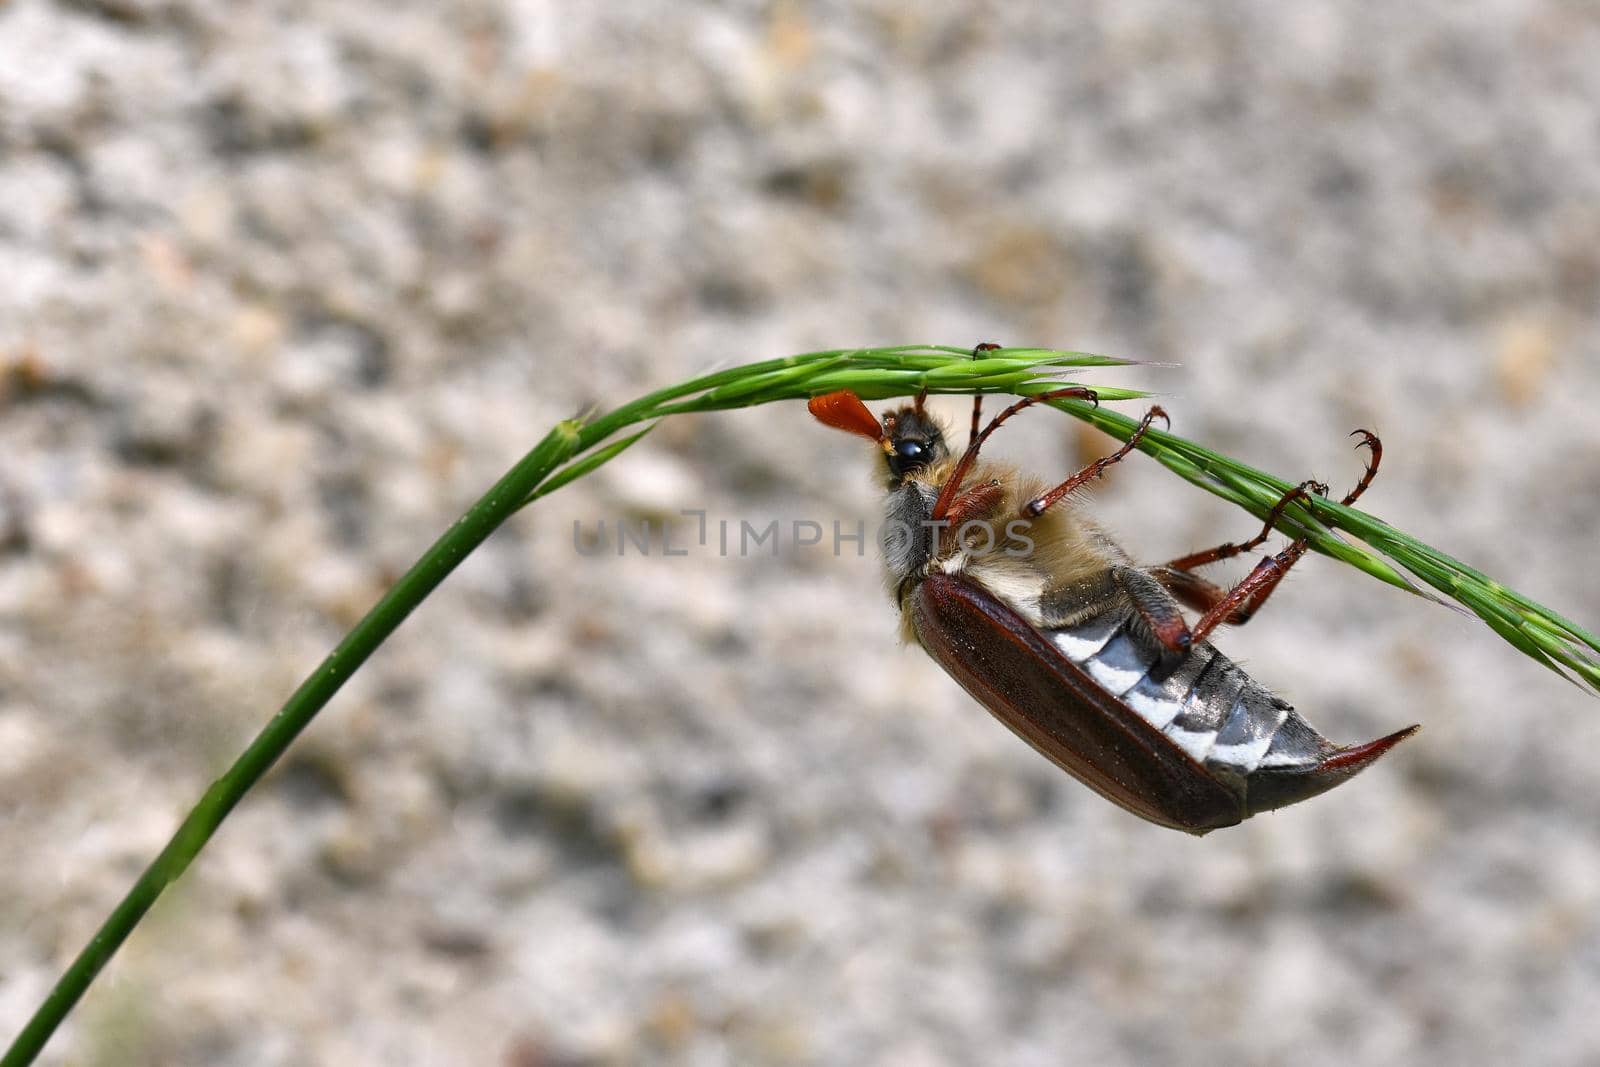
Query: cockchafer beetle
1081, 652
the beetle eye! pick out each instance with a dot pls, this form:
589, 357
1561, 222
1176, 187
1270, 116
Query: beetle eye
908, 456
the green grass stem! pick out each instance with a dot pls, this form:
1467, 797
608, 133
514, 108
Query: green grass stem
578, 447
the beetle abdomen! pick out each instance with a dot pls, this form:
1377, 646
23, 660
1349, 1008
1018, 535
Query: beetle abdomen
1186, 741
1246, 736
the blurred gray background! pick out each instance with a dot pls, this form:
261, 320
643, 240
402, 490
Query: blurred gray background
284, 286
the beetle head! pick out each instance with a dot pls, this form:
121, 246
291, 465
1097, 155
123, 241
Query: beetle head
911, 440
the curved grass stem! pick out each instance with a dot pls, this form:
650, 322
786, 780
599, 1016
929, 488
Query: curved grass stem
576, 448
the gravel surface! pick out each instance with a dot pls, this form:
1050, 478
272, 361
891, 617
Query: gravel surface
284, 286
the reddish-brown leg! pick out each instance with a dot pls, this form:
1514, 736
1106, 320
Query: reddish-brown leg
1300, 492
1252, 592
1375, 456
1205, 596
977, 399
1233, 606
1202, 595
947, 494
1036, 507
1369, 440
974, 503
1159, 613
1237, 605
1196, 593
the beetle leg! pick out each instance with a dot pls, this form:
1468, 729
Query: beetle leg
1251, 593
1200, 594
1207, 597
1374, 447
1155, 607
1238, 605
1369, 441
947, 494
1300, 492
1037, 506
977, 398
1203, 595
972, 504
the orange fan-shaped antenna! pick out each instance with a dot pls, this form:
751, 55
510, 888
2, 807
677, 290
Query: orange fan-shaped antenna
845, 411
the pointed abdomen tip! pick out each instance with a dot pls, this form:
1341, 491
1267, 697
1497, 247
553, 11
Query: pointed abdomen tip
1356, 757
1280, 786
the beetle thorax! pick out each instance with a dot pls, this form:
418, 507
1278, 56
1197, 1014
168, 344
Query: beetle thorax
906, 539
